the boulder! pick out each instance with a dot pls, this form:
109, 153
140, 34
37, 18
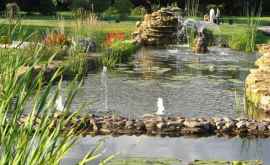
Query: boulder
87, 45
158, 28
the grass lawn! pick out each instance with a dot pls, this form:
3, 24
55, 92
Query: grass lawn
227, 31
43, 24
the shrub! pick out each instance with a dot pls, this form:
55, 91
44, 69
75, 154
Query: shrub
118, 52
241, 42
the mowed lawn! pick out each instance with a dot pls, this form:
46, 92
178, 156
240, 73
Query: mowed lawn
42, 24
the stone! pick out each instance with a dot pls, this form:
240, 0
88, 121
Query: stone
257, 83
87, 44
158, 28
241, 124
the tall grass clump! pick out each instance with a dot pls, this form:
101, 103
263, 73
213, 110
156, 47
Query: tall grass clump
253, 12
29, 131
192, 7
118, 52
36, 138
245, 40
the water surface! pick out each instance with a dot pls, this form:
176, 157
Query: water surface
189, 84
183, 148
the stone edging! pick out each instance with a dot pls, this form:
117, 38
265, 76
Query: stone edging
258, 81
165, 126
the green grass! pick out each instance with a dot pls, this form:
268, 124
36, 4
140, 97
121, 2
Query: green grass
236, 35
42, 24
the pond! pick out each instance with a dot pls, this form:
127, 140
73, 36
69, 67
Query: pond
189, 85
184, 148
192, 85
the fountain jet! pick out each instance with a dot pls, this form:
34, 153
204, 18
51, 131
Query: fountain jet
160, 106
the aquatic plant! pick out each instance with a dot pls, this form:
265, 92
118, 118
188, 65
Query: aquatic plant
34, 138
117, 52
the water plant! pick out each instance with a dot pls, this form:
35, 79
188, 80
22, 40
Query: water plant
28, 133
118, 52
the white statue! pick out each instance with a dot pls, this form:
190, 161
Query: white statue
212, 15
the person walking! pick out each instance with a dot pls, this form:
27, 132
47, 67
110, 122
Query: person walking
212, 15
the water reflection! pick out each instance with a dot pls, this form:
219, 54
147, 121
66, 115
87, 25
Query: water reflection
186, 149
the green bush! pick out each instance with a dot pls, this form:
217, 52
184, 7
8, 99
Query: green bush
118, 52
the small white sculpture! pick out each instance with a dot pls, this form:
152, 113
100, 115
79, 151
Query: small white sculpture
160, 106
212, 15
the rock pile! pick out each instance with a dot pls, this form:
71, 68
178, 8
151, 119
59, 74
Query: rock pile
165, 126
158, 28
258, 81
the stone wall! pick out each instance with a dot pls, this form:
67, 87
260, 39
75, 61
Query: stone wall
164, 126
258, 81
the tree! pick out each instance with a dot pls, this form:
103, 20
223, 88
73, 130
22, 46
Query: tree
47, 7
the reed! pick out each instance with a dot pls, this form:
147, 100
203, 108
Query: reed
34, 139
253, 12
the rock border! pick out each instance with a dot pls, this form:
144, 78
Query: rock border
154, 125
257, 83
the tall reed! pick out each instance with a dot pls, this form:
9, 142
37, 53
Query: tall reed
192, 8
28, 133
253, 11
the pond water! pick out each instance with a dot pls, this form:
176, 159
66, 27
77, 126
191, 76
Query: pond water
190, 85
183, 148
